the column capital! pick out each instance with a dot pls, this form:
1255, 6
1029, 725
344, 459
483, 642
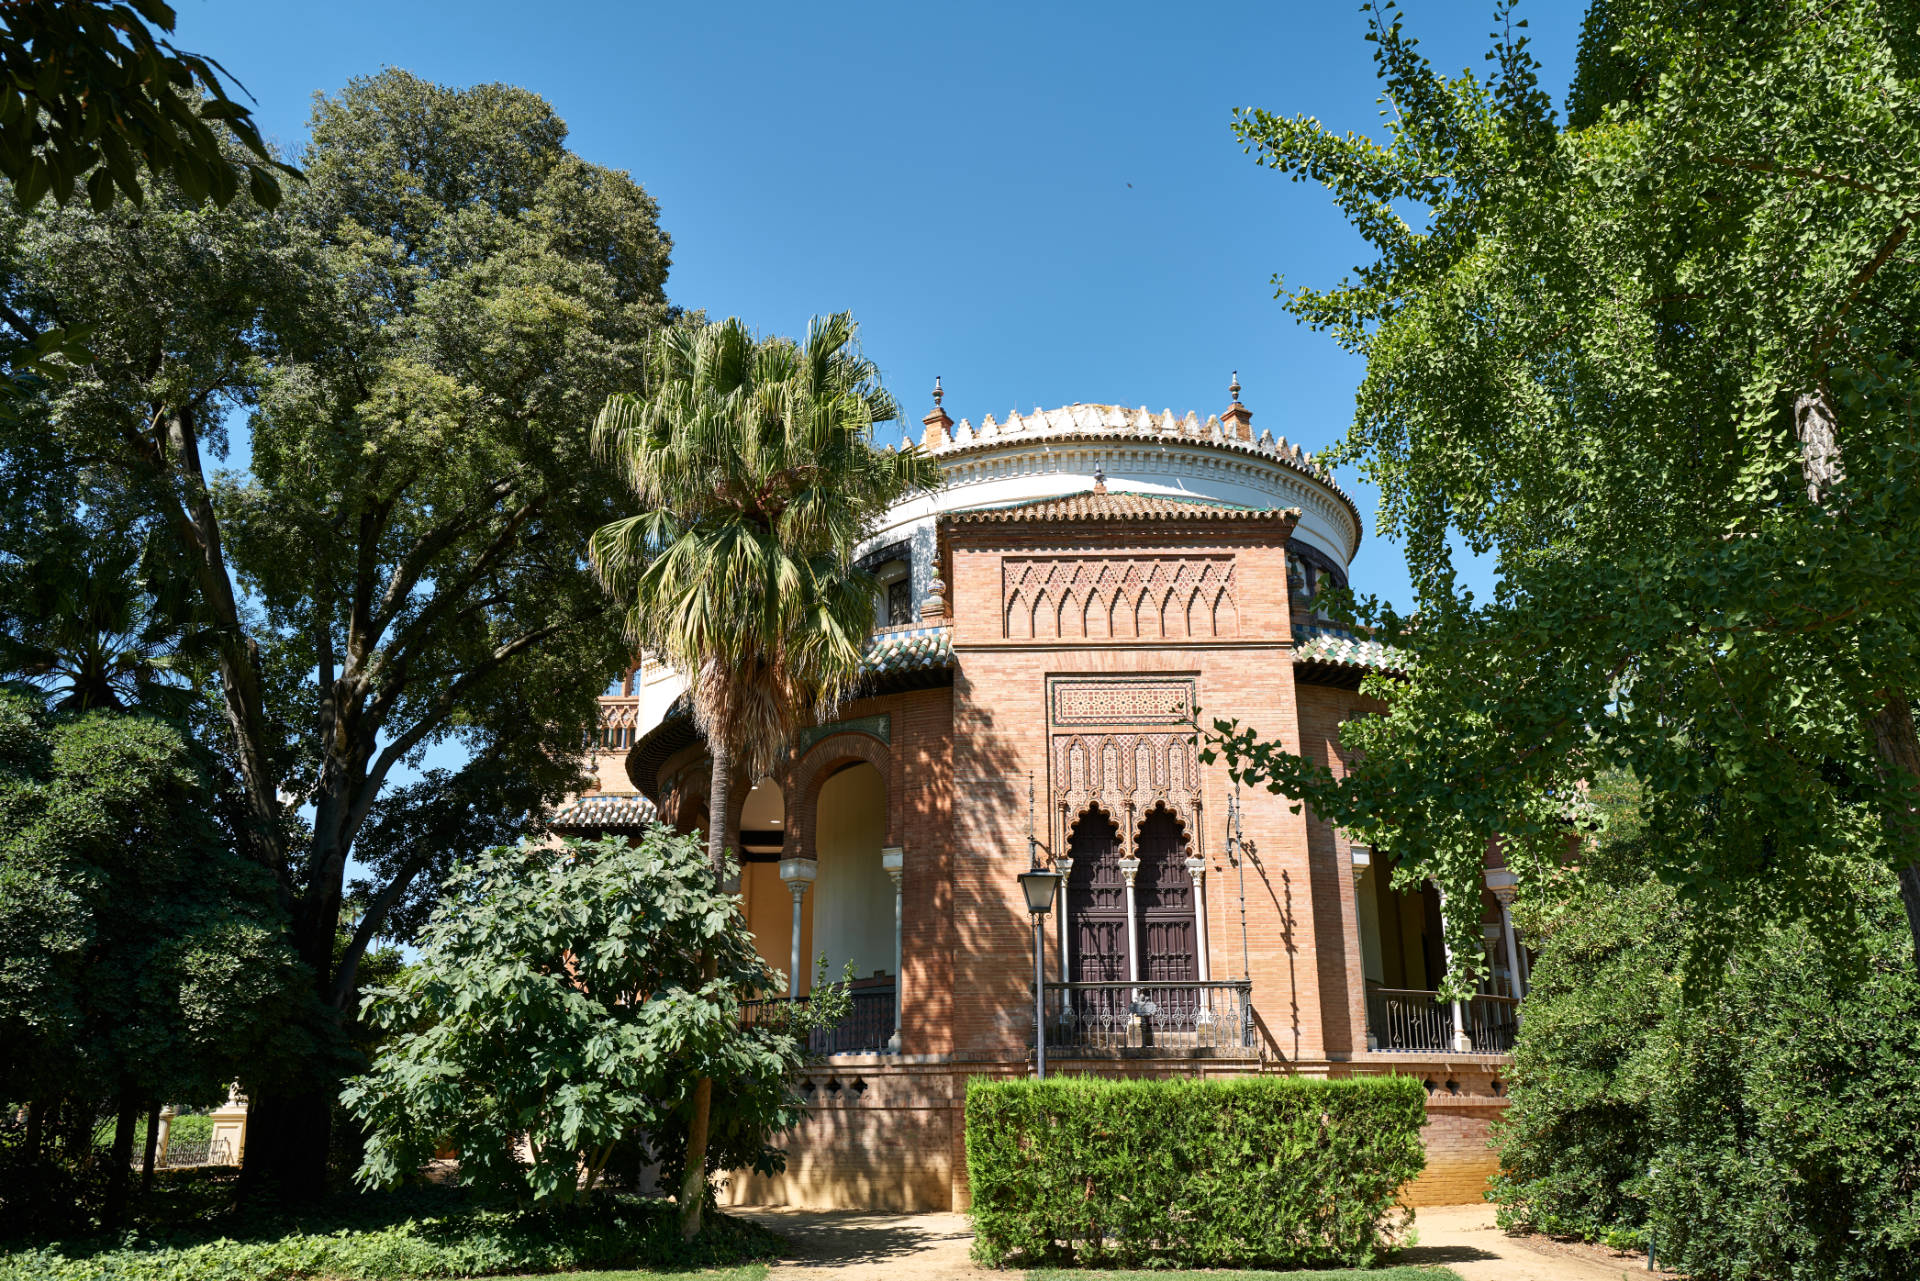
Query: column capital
1129, 868
798, 873
893, 861
1361, 858
1503, 882
1196, 866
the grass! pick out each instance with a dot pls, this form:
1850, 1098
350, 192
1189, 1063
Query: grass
1349, 1274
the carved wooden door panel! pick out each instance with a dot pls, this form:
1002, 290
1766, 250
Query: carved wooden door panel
1164, 892
1097, 915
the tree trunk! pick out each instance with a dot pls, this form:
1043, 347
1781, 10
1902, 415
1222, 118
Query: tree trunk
1894, 740
289, 1130
120, 1164
693, 1185
1896, 744
36, 1126
153, 1149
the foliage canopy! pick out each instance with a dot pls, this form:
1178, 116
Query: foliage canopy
567, 1001
1658, 363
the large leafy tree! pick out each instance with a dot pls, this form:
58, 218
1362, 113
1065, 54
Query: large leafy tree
423, 334
1657, 360
560, 1011
141, 958
753, 464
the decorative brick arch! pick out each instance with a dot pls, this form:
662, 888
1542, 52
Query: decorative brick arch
809, 774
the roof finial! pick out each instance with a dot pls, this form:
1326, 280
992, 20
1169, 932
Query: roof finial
1099, 479
1234, 388
937, 393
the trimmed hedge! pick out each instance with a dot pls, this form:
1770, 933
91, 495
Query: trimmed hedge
1267, 1171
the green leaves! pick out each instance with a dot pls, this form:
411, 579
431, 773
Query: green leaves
1586, 363
88, 92
753, 463
558, 1014
1247, 1172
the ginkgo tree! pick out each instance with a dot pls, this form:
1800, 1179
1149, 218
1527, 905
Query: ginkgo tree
1656, 359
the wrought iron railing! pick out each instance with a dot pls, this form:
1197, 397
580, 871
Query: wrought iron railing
866, 1028
1407, 1020
1153, 1018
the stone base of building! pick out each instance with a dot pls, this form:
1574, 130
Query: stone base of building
886, 1133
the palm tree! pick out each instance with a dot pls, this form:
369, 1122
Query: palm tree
754, 466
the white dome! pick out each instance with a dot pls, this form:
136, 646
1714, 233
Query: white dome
1052, 452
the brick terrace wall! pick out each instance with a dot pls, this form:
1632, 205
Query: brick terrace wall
899, 1141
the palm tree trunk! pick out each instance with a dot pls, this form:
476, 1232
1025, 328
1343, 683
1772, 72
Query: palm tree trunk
120, 1164
153, 1148
693, 1185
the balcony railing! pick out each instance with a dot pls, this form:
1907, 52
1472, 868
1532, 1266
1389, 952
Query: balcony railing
1404, 1020
866, 1028
1150, 1019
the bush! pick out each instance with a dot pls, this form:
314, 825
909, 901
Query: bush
423, 1232
1768, 1128
1274, 1171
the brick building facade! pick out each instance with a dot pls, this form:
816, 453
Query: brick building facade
1048, 627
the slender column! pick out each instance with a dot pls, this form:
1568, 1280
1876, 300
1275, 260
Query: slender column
893, 859
1462, 1043
1503, 883
798, 873
1197, 873
1130, 868
1065, 864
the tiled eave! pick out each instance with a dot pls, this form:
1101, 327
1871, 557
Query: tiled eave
897, 659
603, 812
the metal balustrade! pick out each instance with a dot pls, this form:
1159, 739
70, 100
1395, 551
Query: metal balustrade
1170, 1019
866, 1028
1403, 1020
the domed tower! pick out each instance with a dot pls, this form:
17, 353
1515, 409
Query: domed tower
1052, 453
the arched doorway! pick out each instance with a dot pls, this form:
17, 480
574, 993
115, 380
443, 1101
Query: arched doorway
1097, 920
1169, 938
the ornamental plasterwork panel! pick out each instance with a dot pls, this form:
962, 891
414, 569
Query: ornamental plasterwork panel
1124, 597
1121, 742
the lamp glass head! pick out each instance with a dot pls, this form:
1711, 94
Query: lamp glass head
1040, 886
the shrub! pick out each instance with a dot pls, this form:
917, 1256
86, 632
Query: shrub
1275, 1171
420, 1233
1766, 1128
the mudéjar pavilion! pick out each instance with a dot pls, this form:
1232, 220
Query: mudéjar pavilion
1046, 625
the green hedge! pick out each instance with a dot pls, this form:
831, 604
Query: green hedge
1273, 1171
410, 1235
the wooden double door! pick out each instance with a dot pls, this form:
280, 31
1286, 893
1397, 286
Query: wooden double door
1097, 916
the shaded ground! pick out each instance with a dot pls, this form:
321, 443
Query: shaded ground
851, 1245
1464, 1238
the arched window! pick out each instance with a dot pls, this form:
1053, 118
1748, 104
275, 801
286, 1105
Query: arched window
894, 605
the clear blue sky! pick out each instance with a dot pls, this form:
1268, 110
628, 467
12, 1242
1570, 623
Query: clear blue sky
1040, 203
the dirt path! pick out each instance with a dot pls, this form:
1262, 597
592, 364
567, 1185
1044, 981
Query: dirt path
849, 1245
852, 1245
1464, 1238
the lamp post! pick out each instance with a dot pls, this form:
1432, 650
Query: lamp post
1039, 885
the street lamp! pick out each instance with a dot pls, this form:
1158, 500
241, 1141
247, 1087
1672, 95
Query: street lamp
1039, 885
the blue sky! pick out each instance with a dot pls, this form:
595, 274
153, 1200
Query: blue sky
1039, 203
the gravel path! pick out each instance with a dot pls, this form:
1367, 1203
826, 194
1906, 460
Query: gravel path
1464, 1238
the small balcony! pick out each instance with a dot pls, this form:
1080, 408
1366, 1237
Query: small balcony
866, 1028
1404, 1021
1150, 1019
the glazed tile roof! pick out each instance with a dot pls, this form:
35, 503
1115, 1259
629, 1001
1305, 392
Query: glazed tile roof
1337, 647
602, 810
918, 649
1121, 505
